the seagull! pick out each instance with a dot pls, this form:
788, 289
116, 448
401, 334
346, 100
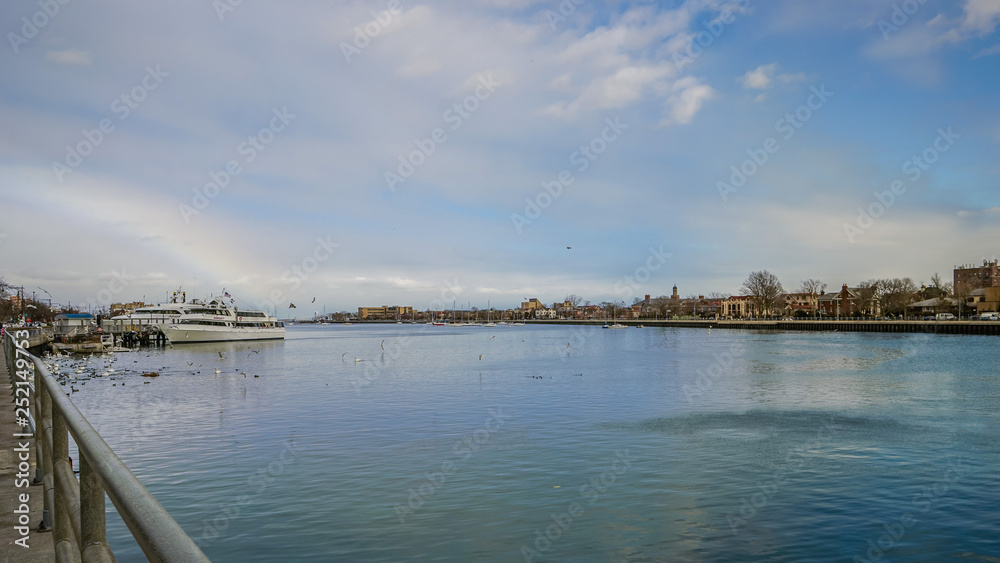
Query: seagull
382, 344
492, 337
480, 356
357, 359
569, 248
221, 357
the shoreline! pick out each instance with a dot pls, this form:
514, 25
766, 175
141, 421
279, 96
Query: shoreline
991, 328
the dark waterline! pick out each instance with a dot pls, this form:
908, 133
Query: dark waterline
551, 443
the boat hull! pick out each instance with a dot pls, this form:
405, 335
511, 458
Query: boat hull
182, 335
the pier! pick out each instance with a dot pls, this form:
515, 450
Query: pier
63, 518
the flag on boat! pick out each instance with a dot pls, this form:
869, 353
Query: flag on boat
227, 294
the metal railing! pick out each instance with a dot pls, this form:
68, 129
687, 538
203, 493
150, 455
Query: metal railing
75, 510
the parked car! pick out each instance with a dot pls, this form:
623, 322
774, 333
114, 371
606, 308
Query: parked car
945, 317
990, 316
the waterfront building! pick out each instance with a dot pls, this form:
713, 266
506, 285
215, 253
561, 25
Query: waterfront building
737, 307
969, 277
845, 303
800, 304
67, 323
385, 312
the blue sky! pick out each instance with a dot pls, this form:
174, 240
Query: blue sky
312, 104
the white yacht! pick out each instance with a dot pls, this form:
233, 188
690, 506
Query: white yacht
197, 320
219, 321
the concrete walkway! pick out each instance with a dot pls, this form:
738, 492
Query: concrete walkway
39, 544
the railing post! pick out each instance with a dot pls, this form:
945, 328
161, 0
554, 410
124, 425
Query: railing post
65, 531
93, 541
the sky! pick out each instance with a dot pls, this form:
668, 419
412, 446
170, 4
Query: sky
340, 154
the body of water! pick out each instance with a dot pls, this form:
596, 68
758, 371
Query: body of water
557, 443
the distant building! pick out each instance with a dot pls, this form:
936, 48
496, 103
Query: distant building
532, 304
800, 304
969, 277
844, 303
125, 308
988, 301
737, 307
384, 312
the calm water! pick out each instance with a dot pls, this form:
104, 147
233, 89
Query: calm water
565, 444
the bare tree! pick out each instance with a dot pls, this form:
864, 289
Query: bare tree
574, 299
895, 294
718, 296
814, 288
612, 308
660, 305
764, 289
868, 293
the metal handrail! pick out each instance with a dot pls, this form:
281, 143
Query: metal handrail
77, 508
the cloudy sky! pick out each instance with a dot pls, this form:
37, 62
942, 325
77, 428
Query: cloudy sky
369, 153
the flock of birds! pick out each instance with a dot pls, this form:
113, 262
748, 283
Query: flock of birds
73, 370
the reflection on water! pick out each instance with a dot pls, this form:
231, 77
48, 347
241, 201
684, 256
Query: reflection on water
375, 443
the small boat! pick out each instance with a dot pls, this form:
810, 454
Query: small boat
616, 325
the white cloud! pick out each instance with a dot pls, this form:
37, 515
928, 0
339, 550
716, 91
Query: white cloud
994, 50
981, 16
69, 57
690, 95
760, 77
